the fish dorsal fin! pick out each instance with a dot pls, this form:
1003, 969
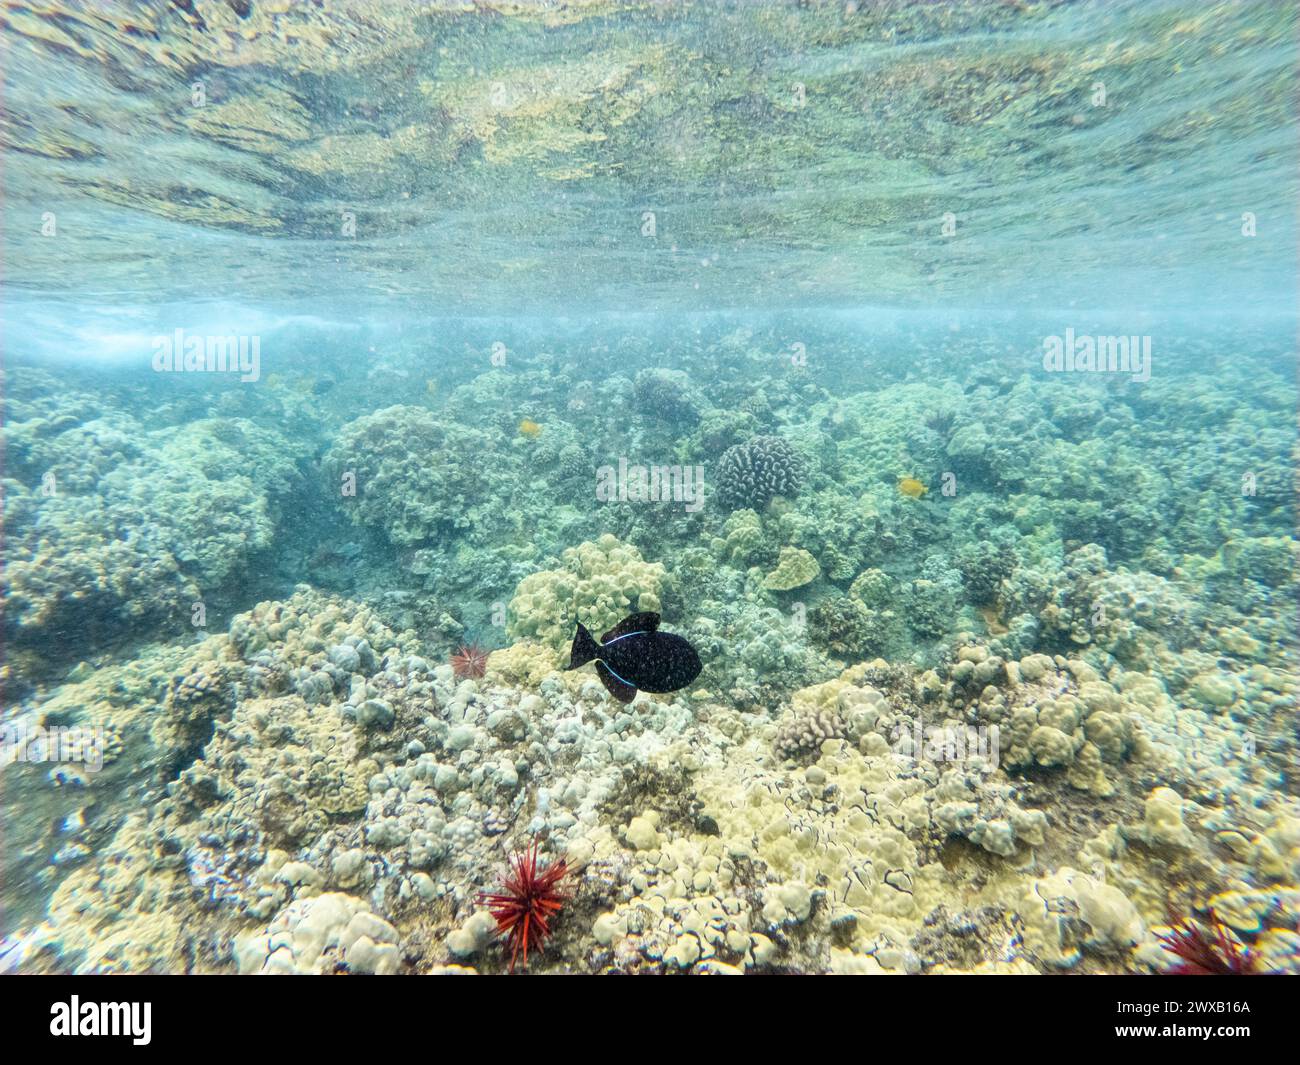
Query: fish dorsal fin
647, 622
619, 689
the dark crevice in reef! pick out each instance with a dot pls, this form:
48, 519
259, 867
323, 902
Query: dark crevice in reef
666, 790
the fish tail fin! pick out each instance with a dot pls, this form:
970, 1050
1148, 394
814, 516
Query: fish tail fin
584, 648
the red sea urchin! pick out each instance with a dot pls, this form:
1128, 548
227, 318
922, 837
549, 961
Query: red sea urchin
470, 661
1207, 949
529, 898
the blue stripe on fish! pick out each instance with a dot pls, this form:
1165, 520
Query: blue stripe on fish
612, 673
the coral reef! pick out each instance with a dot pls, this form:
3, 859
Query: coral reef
999, 657
111, 527
1008, 729
398, 783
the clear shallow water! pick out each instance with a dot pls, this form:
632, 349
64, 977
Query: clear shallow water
488, 260
790, 155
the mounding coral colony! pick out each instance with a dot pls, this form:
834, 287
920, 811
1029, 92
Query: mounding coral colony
934, 658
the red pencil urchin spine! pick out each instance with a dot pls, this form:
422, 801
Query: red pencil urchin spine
470, 661
1207, 953
529, 898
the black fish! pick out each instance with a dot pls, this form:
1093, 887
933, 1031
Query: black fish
634, 655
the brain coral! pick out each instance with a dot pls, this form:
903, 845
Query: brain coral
597, 583
750, 474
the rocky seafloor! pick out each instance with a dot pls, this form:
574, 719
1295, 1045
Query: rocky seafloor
305, 783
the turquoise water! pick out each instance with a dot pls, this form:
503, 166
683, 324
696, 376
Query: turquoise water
929, 368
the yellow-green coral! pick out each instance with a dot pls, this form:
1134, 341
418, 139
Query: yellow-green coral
1042, 722
795, 568
742, 537
1068, 912
597, 583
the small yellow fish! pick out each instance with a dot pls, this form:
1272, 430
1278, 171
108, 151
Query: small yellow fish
530, 428
431, 386
911, 487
